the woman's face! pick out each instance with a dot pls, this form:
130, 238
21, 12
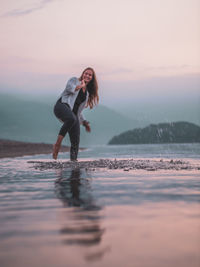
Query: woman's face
87, 76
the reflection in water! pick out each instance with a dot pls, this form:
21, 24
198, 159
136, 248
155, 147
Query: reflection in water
82, 221
151, 218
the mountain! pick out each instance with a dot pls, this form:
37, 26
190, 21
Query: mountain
33, 121
175, 132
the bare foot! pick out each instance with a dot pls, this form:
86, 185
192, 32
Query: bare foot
56, 149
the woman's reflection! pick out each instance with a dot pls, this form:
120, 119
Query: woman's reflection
82, 223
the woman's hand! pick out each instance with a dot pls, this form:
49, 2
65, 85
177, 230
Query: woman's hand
82, 85
87, 126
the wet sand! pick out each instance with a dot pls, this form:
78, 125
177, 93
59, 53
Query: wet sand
10, 149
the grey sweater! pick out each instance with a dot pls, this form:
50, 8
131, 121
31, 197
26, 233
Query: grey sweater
69, 96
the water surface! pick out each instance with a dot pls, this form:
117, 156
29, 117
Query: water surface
79, 217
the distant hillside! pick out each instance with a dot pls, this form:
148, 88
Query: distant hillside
32, 121
176, 132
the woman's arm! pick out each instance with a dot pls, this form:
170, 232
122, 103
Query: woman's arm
87, 126
85, 123
82, 85
71, 86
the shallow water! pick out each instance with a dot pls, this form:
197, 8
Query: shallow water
78, 217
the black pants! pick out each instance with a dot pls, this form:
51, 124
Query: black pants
70, 125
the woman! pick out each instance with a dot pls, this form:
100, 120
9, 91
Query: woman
78, 94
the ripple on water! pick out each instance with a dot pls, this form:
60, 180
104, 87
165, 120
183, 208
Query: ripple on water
105, 217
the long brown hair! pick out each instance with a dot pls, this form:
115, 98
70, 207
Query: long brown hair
92, 88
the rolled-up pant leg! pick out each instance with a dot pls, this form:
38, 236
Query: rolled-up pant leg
74, 135
64, 114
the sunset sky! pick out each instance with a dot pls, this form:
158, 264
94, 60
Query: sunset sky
44, 42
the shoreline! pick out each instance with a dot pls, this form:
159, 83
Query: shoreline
12, 149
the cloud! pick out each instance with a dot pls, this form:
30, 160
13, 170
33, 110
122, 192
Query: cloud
27, 10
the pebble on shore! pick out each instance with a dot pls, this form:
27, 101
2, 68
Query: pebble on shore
125, 164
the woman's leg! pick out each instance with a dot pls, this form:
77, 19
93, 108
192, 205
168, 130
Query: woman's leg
63, 113
56, 146
74, 135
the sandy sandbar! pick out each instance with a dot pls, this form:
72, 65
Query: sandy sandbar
9, 149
